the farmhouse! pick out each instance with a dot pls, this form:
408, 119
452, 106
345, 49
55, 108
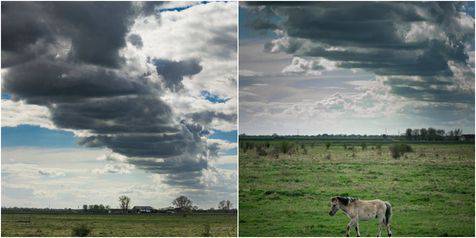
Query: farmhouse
142, 209
467, 137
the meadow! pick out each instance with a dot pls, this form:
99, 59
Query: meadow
288, 194
119, 225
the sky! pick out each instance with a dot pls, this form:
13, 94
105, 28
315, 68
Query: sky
355, 67
103, 99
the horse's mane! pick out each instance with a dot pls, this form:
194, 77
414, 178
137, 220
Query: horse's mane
347, 200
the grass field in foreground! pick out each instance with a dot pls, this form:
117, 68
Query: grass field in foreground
431, 190
118, 225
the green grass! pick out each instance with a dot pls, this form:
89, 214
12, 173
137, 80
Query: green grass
118, 225
431, 190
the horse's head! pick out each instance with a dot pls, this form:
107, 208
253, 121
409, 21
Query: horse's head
335, 206
339, 202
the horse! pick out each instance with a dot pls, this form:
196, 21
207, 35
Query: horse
364, 210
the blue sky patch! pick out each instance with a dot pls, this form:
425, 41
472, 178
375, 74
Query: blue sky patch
224, 135
213, 98
35, 136
179, 9
6, 96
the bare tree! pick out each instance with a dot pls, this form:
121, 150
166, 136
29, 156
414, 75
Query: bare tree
183, 203
225, 205
124, 202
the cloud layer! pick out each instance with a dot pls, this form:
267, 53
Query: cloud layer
383, 61
89, 66
424, 50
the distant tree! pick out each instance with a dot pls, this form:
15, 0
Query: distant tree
440, 134
432, 134
124, 202
455, 134
416, 134
424, 134
408, 134
85, 207
225, 205
183, 203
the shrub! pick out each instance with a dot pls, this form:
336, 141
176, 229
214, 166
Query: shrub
286, 147
328, 145
364, 146
206, 230
274, 152
328, 156
81, 230
261, 150
397, 150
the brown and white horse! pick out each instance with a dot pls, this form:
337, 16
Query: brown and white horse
363, 210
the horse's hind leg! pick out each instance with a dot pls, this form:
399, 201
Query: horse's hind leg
389, 231
380, 225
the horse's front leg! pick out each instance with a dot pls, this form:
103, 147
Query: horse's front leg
350, 225
357, 228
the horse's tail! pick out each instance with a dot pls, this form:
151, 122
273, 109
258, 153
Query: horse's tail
388, 213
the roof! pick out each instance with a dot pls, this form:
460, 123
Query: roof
142, 207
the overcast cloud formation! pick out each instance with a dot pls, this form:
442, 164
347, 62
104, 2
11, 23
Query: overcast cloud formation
402, 59
127, 76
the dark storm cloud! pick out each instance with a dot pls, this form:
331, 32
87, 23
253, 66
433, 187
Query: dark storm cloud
96, 30
135, 40
44, 80
174, 71
150, 145
373, 36
65, 56
128, 114
206, 117
182, 172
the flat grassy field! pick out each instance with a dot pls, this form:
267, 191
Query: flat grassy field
118, 225
431, 190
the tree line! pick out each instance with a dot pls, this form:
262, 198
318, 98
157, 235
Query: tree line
432, 134
181, 203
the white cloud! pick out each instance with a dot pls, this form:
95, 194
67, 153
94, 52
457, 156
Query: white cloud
178, 36
111, 156
20, 113
15, 113
51, 172
314, 66
222, 144
117, 168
